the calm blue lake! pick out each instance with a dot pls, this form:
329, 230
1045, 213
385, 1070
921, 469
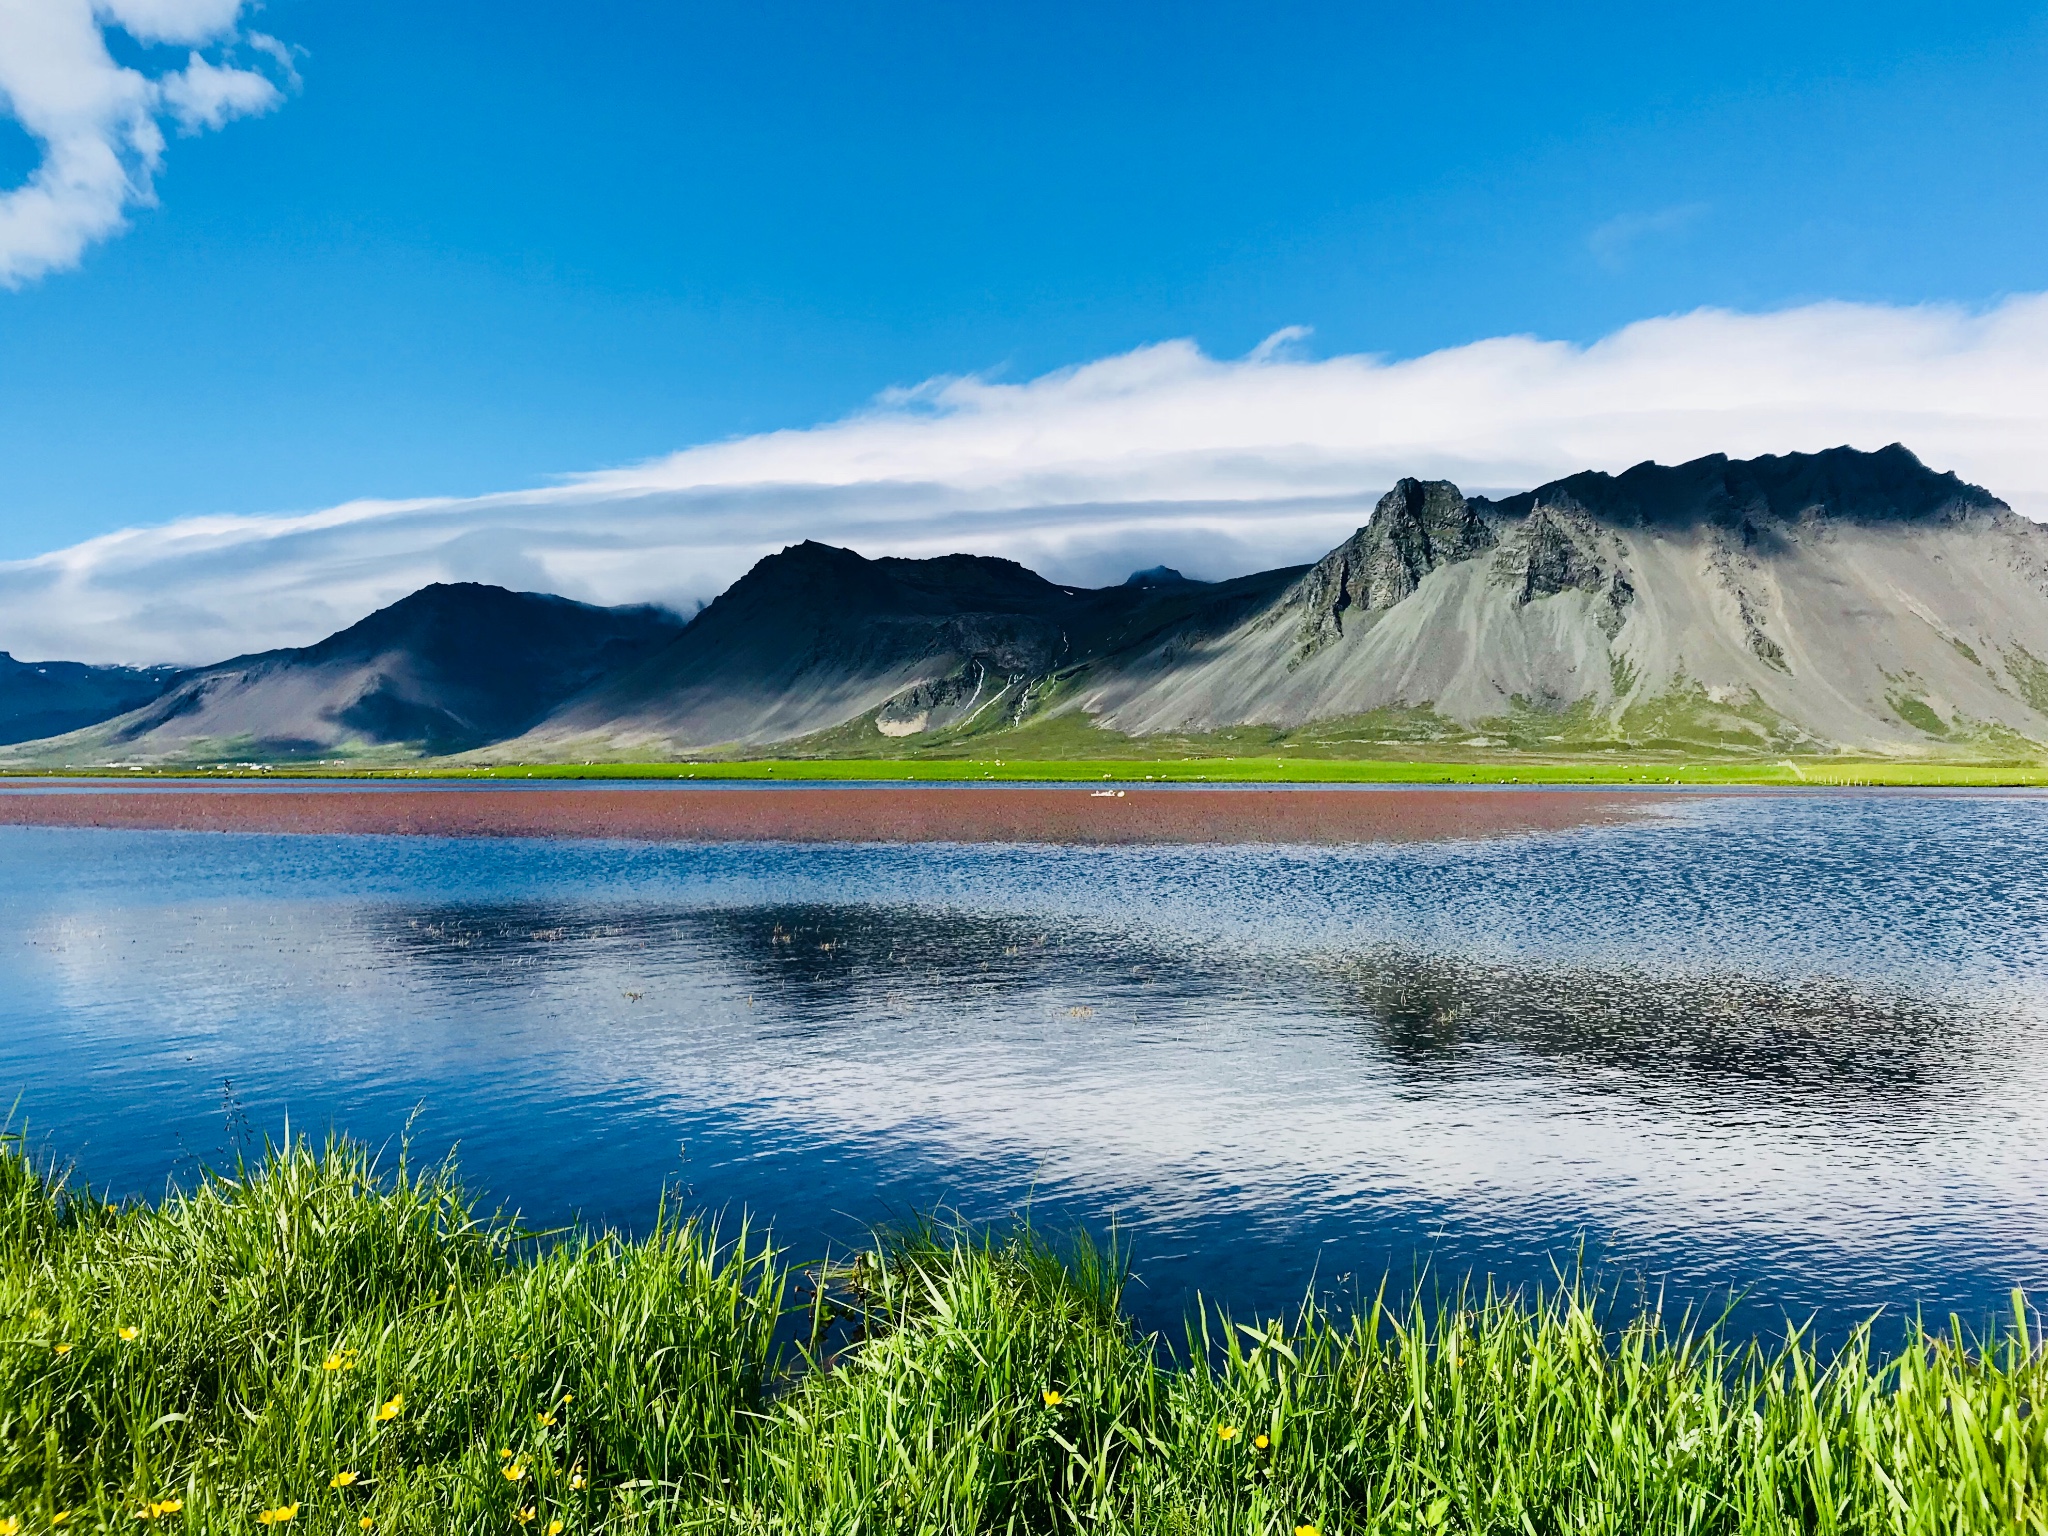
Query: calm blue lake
1791, 1049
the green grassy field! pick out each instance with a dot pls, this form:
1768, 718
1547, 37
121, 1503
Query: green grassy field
1284, 769
1309, 770
313, 1345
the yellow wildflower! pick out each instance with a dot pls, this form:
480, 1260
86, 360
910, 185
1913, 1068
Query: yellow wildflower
130, 1334
1226, 1431
62, 1349
339, 1360
1259, 1442
506, 1454
157, 1509
1052, 1399
524, 1515
577, 1480
390, 1410
514, 1473
554, 1528
10, 1526
280, 1515
341, 1480
60, 1517
366, 1522
1307, 1530
568, 1398
545, 1420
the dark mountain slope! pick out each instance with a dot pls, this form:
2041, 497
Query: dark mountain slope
1888, 486
448, 668
47, 698
814, 636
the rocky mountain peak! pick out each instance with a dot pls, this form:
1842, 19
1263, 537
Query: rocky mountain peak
1417, 526
1559, 547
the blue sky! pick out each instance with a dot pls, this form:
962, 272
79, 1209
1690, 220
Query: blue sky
483, 244
724, 259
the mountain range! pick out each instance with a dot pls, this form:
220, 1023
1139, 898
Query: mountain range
1807, 602
46, 698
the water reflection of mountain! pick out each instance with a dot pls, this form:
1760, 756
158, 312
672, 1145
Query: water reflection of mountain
1816, 1038
1720, 1038
508, 943
810, 957
823, 957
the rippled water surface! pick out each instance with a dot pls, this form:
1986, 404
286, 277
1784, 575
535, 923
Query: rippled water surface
1793, 1048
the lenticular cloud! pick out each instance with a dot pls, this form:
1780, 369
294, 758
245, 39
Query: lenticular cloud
1163, 454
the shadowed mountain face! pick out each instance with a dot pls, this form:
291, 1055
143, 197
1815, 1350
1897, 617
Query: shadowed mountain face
1890, 486
816, 637
47, 698
450, 667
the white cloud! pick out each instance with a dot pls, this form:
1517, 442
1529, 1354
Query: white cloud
1163, 453
203, 95
172, 21
97, 120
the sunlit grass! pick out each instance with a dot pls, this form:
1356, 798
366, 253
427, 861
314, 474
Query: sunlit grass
1836, 772
1828, 771
316, 1346
1286, 768
313, 1335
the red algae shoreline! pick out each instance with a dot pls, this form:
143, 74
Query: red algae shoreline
882, 814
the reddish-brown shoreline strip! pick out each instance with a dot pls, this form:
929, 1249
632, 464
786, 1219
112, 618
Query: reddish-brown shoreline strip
967, 814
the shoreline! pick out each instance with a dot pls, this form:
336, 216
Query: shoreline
959, 813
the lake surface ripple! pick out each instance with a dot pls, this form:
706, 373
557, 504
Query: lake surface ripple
1788, 1049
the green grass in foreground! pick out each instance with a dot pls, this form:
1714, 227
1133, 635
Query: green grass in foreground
364, 1353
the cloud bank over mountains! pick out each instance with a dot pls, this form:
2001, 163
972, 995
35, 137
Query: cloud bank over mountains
99, 123
1160, 454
